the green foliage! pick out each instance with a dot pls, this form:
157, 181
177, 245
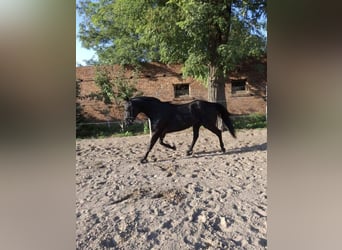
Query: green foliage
250, 121
208, 37
79, 109
195, 33
146, 127
102, 79
104, 130
116, 88
124, 87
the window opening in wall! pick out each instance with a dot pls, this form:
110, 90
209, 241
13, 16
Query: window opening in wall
239, 86
181, 90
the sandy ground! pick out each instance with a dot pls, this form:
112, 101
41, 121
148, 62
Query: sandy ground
209, 200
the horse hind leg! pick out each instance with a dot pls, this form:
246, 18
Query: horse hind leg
161, 141
217, 132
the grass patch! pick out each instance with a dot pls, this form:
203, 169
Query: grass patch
250, 121
107, 130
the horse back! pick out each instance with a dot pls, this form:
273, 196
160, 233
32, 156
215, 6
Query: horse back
197, 111
203, 109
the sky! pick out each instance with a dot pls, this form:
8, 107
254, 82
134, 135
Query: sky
81, 53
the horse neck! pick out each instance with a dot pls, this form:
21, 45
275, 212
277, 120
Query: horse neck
148, 108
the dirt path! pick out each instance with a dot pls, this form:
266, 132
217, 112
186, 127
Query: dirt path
209, 200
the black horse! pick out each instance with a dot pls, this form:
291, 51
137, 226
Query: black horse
166, 117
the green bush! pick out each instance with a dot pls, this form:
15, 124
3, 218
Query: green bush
146, 127
105, 130
250, 121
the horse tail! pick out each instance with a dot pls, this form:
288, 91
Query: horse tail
226, 118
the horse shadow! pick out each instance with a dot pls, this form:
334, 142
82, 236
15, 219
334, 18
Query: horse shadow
260, 147
246, 149
241, 150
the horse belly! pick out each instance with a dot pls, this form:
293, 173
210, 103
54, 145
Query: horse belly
183, 121
177, 128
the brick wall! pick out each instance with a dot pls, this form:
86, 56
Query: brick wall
158, 80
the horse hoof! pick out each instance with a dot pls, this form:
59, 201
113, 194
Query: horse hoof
223, 150
143, 161
173, 147
189, 152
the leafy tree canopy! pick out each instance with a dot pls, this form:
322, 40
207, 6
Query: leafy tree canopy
196, 33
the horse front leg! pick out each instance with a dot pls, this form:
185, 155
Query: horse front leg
195, 129
154, 138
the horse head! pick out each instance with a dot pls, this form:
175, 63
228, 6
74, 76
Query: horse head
130, 113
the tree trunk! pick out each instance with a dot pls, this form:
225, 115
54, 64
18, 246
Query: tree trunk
216, 90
